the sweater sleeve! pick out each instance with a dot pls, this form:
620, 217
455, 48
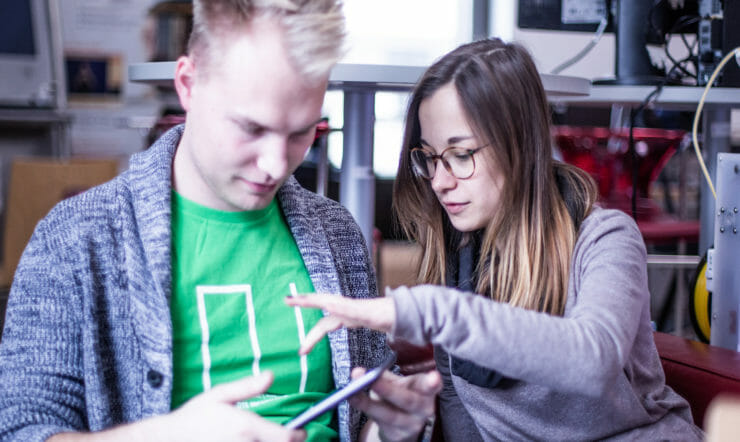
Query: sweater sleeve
41, 388
581, 352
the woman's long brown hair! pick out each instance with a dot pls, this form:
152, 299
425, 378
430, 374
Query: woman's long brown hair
526, 247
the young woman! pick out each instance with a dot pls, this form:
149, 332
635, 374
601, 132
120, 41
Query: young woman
535, 299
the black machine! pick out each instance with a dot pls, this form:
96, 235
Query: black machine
638, 23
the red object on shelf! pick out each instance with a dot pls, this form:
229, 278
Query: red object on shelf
668, 230
322, 128
605, 154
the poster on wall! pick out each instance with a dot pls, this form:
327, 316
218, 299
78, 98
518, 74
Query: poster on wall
93, 76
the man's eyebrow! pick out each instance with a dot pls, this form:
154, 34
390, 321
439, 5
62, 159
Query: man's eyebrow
307, 128
246, 121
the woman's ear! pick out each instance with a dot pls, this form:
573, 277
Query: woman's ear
185, 80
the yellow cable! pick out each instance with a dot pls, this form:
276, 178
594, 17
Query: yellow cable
694, 130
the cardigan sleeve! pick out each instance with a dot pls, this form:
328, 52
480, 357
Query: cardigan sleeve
581, 352
41, 387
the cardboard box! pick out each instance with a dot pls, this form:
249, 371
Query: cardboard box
36, 185
398, 262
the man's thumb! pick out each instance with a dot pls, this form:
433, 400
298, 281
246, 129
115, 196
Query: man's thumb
244, 388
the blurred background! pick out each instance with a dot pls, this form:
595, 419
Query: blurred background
70, 117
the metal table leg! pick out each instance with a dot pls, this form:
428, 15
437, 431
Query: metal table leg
357, 182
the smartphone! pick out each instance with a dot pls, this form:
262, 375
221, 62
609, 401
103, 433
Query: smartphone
333, 400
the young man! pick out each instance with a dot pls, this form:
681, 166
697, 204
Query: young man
151, 307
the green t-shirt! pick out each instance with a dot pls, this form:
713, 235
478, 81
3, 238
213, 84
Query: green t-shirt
230, 273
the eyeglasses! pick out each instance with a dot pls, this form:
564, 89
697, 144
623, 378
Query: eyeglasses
458, 161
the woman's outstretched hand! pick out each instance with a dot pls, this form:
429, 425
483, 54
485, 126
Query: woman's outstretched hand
378, 314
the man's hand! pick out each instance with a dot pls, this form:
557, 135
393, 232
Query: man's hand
398, 407
225, 421
211, 415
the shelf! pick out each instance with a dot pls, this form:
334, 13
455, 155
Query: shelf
366, 76
30, 116
671, 96
33, 123
159, 73
560, 88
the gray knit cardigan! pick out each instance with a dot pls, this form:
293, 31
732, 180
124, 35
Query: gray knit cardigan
87, 343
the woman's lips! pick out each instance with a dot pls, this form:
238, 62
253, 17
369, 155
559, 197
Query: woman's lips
455, 208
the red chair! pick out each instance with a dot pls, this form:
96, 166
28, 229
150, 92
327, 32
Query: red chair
699, 372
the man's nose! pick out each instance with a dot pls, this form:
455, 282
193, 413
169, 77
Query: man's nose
273, 159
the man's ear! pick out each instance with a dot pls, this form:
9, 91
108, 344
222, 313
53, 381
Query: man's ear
185, 80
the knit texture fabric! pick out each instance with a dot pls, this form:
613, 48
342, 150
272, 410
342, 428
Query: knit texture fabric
87, 343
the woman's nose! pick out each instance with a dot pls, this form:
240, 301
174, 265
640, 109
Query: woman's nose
442, 179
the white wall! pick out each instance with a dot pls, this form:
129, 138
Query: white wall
109, 126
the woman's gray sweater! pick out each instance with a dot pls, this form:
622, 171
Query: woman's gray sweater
592, 374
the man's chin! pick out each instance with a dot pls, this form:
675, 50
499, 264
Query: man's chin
254, 202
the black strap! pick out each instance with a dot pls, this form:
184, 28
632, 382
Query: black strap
464, 279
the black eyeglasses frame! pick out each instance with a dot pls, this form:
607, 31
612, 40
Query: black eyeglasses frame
440, 157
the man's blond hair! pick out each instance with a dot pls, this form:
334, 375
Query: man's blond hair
314, 29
